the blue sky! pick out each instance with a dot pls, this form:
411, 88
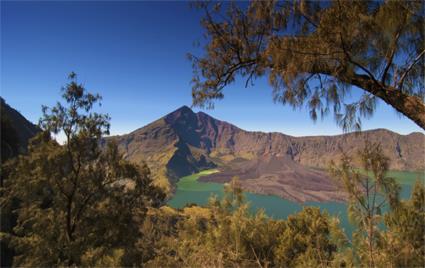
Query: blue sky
134, 55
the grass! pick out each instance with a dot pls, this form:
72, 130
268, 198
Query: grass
405, 177
189, 183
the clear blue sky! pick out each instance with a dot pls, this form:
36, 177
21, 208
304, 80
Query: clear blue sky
134, 55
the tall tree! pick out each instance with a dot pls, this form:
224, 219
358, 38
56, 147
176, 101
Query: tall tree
79, 204
370, 191
314, 52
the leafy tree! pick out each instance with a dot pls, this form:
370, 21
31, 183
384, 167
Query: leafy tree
79, 204
313, 52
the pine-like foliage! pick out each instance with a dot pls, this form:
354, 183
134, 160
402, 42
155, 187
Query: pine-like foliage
314, 52
390, 232
404, 240
227, 234
79, 204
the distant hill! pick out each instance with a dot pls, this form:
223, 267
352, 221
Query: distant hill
184, 142
16, 131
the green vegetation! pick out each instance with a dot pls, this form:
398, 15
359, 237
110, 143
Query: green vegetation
187, 183
401, 176
407, 177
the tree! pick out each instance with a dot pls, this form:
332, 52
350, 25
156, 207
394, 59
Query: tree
314, 52
404, 240
79, 203
228, 235
370, 191
9, 138
310, 239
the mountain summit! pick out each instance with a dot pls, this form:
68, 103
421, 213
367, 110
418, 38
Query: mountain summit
183, 142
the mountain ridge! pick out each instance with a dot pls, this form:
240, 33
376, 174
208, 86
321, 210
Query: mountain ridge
184, 142
269, 132
16, 131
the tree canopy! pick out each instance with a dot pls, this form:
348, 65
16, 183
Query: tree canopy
315, 52
78, 203
82, 204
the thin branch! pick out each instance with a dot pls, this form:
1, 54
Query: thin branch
400, 84
347, 54
349, 58
256, 257
308, 19
229, 73
391, 57
249, 79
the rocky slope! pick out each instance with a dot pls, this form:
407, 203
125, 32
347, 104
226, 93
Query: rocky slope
184, 142
281, 176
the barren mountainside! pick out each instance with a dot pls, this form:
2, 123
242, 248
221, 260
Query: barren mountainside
184, 142
280, 176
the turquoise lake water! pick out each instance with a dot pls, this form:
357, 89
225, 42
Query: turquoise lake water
190, 190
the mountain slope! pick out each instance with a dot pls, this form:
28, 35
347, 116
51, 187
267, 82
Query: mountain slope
184, 142
16, 131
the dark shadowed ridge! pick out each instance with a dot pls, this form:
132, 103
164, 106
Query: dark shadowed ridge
16, 131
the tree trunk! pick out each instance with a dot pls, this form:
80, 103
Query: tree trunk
410, 106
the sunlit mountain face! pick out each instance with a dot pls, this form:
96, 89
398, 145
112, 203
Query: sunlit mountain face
184, 142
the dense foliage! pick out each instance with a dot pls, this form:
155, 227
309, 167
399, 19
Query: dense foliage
76, 203
225, 234
82, 204
314, 52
